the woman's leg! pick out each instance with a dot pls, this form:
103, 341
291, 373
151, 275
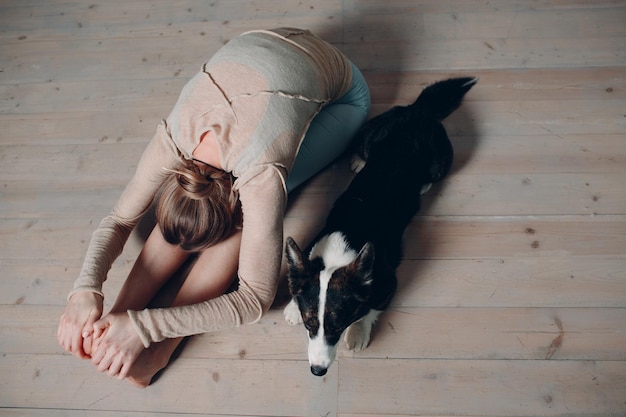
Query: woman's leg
331, 131
211, 276
154, 266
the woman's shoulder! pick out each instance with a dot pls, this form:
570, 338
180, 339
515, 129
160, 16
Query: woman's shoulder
264, 180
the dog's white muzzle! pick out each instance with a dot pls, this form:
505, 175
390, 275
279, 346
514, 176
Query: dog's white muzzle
321, 355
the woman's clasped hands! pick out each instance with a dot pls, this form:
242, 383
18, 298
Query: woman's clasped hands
116, 345
76, 325
111, 342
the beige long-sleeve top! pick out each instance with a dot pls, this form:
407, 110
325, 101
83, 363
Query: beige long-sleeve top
258, 95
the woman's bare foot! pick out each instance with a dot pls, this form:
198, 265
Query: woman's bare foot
149, 362
152, 360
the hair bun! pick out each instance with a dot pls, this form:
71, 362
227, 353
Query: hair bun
200, 183
196, 185
196, 207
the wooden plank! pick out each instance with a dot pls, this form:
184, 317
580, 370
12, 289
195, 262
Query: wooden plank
401, 333
398, 415
512, 282
538, 154
110, 166
81, 128
263, 387
505, 85
499, 333
81, 95
512, 388
41, 19
49, 284
36, 284
375, 7
453, 24
108, 58
58, 201
490, 53
510, 195
538, 118
35, 412
497, 238
58, 241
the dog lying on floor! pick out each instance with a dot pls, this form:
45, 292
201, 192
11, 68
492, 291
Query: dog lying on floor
347, 276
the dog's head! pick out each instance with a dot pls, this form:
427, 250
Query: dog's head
331, 287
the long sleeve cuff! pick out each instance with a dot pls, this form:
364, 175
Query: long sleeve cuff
141, 331
80, 289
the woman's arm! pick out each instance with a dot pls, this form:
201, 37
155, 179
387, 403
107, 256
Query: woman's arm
108, 240
86, 298
263, 202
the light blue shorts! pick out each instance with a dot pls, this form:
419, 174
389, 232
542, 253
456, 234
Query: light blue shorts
331, 131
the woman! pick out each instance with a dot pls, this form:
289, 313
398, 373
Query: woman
269, 110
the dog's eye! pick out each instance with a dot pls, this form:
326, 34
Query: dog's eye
312, 325
332, 337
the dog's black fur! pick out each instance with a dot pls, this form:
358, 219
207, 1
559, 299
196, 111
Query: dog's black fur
405, 150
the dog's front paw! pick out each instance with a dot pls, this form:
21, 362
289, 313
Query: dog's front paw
292, 313
357, 163
357, 336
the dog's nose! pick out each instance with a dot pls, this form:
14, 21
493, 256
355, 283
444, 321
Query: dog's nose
318, 370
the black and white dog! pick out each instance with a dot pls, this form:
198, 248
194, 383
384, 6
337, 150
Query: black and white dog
347, 277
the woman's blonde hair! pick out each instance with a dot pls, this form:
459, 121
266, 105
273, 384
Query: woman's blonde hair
196, 207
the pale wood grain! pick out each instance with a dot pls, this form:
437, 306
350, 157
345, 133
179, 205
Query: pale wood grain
501, 237
514, 388
512, 282
216, 382
511, 297
33, 412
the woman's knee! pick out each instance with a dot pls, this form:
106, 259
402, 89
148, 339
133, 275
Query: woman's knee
213, 272
359, 93
332, 131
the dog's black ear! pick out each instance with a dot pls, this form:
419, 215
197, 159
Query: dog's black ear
296, 263
362, 274
294, 256
364, 262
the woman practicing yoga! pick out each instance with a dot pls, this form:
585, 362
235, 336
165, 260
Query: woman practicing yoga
269, 110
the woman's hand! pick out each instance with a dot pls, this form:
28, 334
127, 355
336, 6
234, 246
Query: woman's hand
116, 345
76, 323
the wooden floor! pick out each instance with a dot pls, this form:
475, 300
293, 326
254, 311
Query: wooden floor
512, 298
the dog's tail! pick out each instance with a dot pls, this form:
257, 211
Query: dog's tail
439, 100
